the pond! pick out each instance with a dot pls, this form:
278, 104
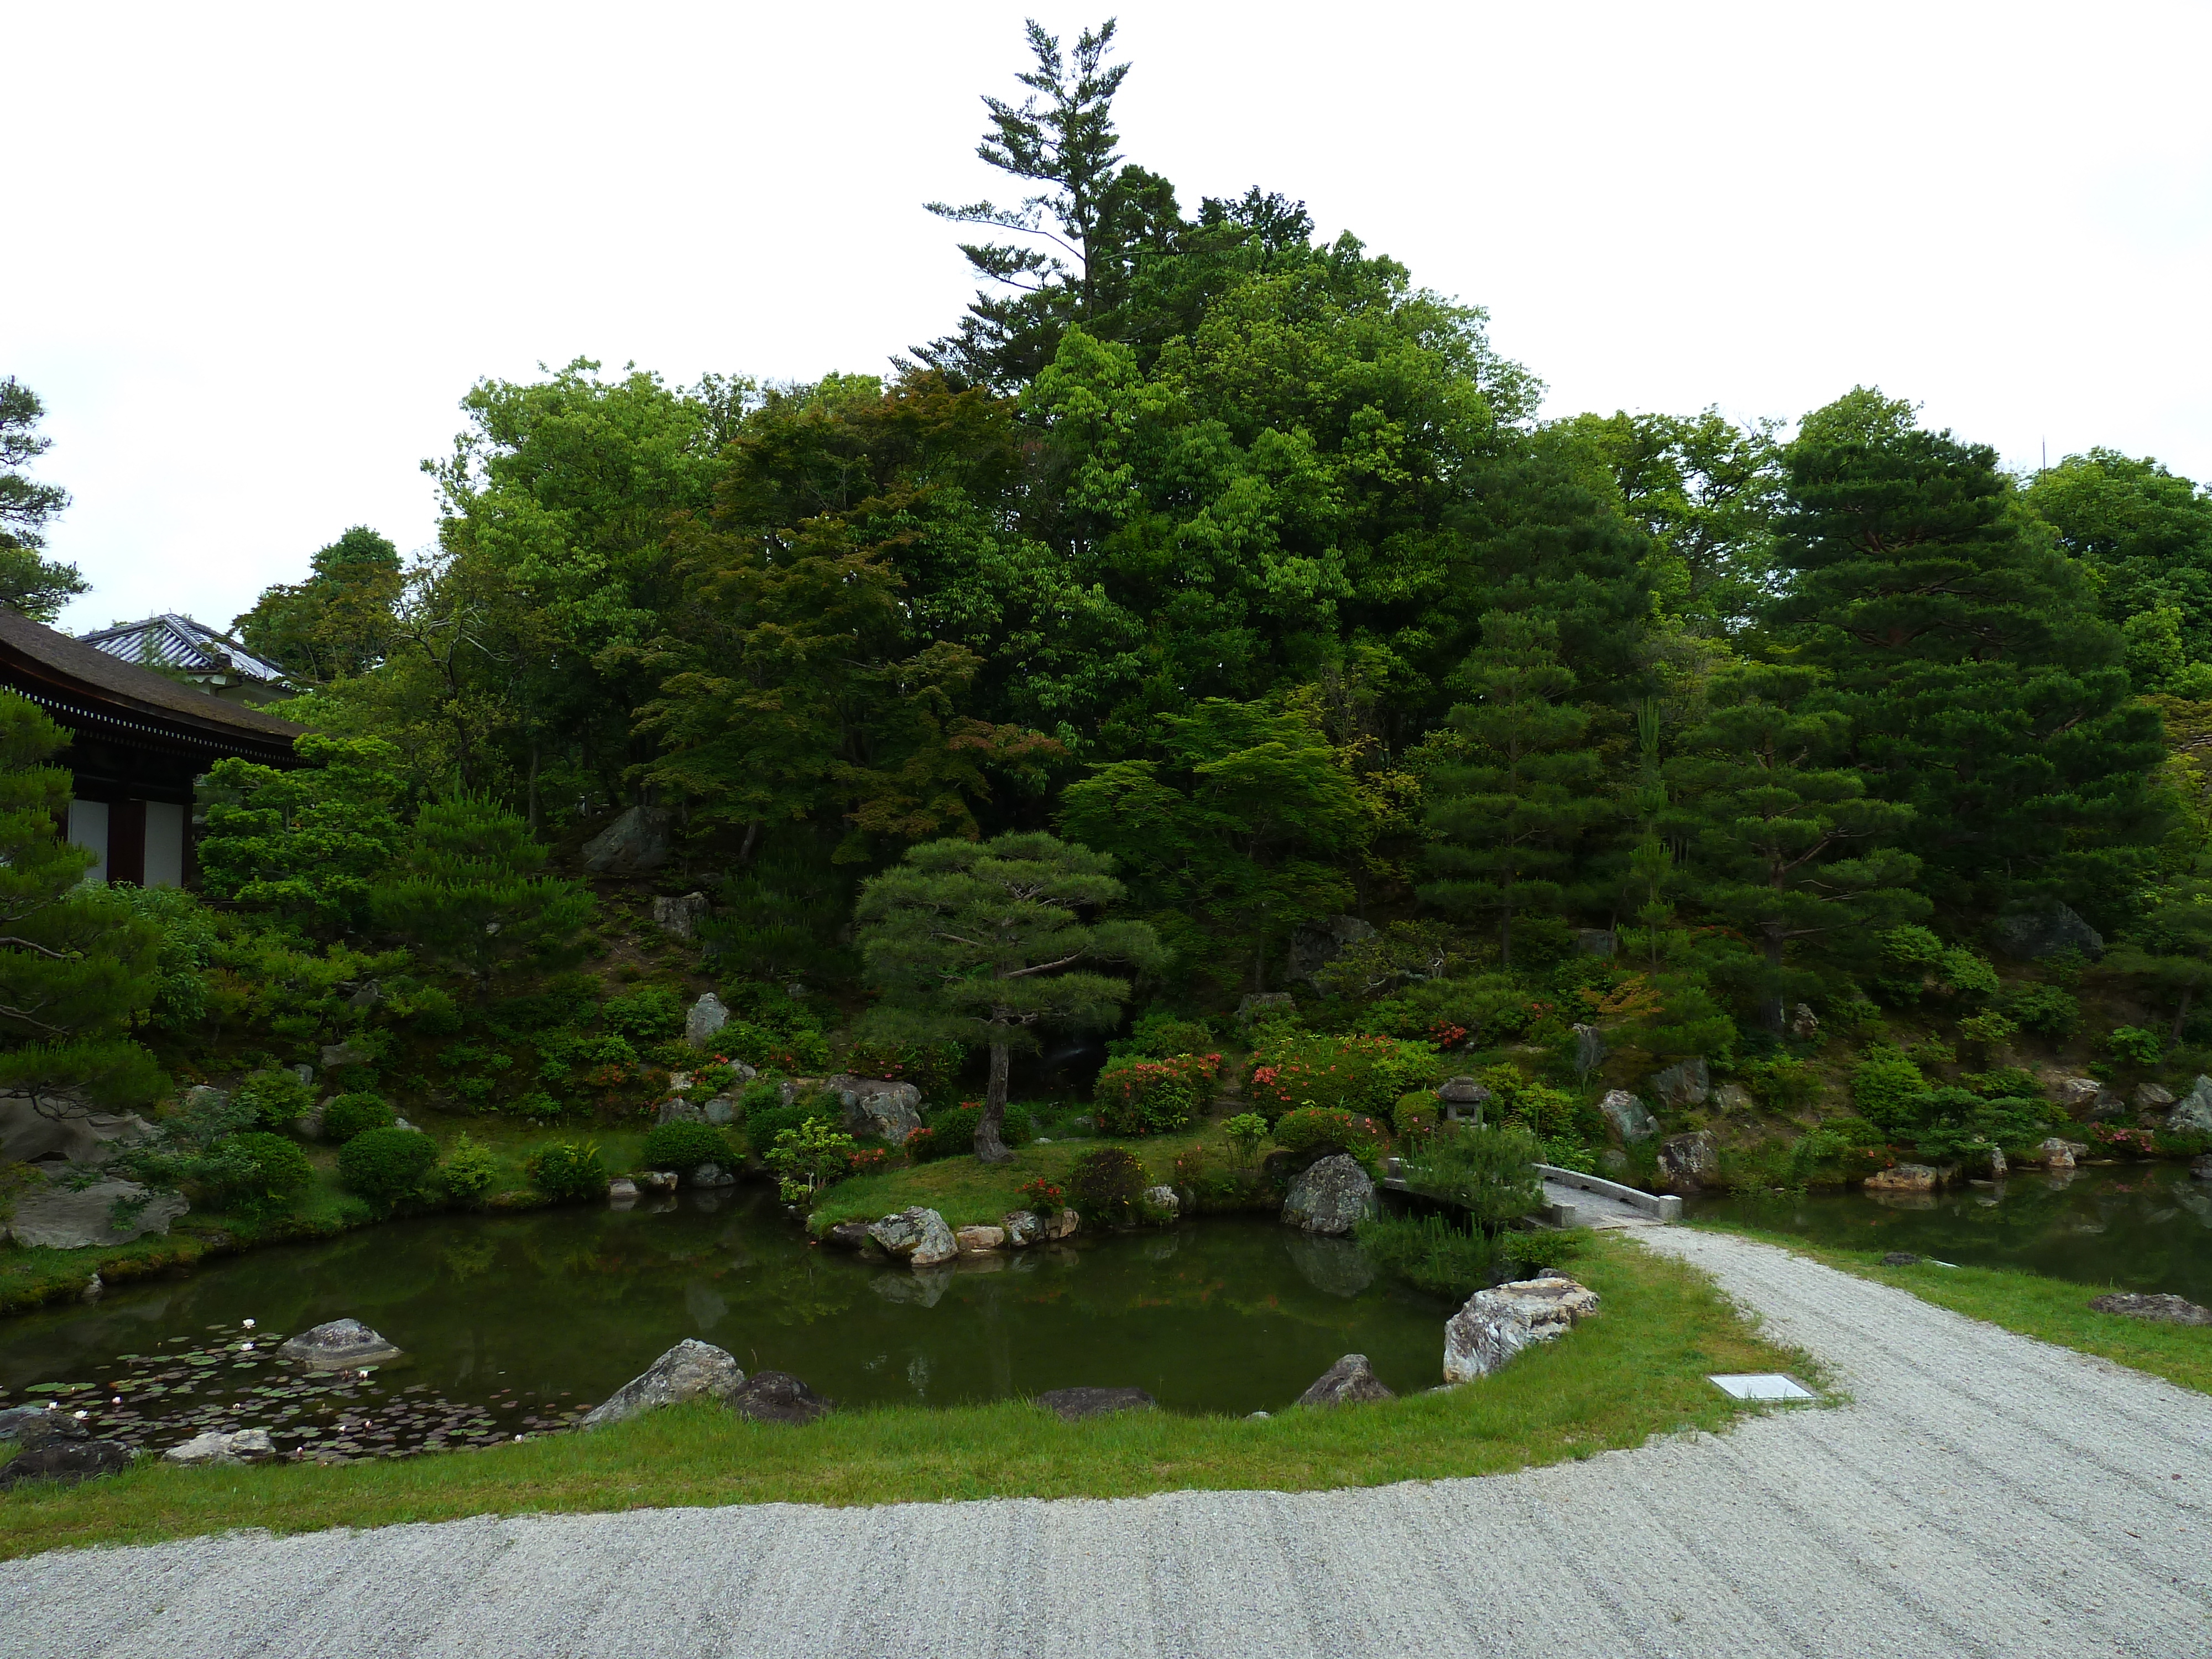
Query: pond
2130, 1227
513, 1324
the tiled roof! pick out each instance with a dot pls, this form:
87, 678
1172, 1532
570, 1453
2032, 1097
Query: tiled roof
174, 641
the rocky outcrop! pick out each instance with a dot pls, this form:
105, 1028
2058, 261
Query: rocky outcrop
107, 1212
1072, 1405
2032, 935
636, 842
973, 1240
337, 1343
692, 1369
778, 1397
875, 1106
2201, 1167
47, 1126
1023, 1228
1589, 1050
1627, 1116
1733, 1097
2193, 1114
622, 1192
1315, 945
1498, 1323
1804, 1024
917, 1236
2153, 1097
67, 1462
1689, 1162
239, 1446
1265, 1004
711, 1175
1350, 1382
2165, 1309
1331, 1197
707, 1018
1162, 1204
1686, 1083
2055, 1153
679, 917
1063, 1225
849, 1236
336, 1056
1907, 1178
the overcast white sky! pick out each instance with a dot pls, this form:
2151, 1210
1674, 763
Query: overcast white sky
256, 254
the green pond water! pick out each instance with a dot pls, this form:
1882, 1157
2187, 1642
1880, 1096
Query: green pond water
512, 1324
2130, 1227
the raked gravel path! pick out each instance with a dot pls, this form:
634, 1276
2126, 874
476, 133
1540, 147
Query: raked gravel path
1980, 1494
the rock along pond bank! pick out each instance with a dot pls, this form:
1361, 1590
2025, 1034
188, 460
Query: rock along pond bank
515, 1324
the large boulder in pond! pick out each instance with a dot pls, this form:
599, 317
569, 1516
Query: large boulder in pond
917, 1236
636, 841
877, 1106
692, 1369
778, 1397
1350, 1382
2029, 935
1072, 1405
2192, 1113
339, 1344
1331, 1197
106, 1212
1627, 1116
1498, 1323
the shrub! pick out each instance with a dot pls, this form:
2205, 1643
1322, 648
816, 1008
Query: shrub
1355, 1073
808, 1158
1045, 1197
1449, 1012
932, 1067
1244, 1132
2043, 1009
1545, 1112
1163, 1037
385, 1165
953, 1131
1312, 1132
683, 1148
1889, 1092
277, 1098
1107, 1187
568, 1171
1416, 1115
348, 1116
265, 1171
805, 1051
467, 1169
429, 1012
1429, 1252
1987, 1027
2135, 1046
1153, 1096
645, 1015
763, 1123
1490, 1171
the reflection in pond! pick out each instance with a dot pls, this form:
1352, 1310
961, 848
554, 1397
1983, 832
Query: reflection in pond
2133, 1226
522, 1318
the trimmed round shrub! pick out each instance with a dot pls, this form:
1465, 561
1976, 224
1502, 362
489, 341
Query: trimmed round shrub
278, 1098
683, 1148
385, 1165
953, 1131
1890, 1092
265, 1171
1314, 1132
1107, 1187
568, 1171
1416, 1115
348, 1116
467, 1169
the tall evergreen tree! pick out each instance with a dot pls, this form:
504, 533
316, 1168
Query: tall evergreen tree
1982, 688
338, 622
37, 587
1784, 845
1510, 805
468, 887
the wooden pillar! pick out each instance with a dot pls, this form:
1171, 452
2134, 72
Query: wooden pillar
126, 842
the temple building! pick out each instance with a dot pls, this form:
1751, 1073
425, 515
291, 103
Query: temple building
215, 662
139, 740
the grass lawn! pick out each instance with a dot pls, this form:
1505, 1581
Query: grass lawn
1635, 1369
966, 1192
2054, 1310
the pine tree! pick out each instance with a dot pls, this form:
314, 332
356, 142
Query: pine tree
467, 890
1510, 804
2171, 947
1981, 686
1785, 846
983, 942
76, 964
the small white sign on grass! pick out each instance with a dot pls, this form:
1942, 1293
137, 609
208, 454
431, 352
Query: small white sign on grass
1771, 1386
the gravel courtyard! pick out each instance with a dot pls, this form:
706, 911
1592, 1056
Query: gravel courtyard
1980, 1494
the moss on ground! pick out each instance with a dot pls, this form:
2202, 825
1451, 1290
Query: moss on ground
1637, 1370
2054, 1310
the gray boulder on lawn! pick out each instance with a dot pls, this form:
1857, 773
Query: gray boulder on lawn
240, 1446
1350, 1382
59, 1219
337, 1343
692, 1369
917, 1234
778, 1397
1625, 1115
1331, 1197
1498, 1323
1072, 1405
66, 1461
2163, 1308
877, 1106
